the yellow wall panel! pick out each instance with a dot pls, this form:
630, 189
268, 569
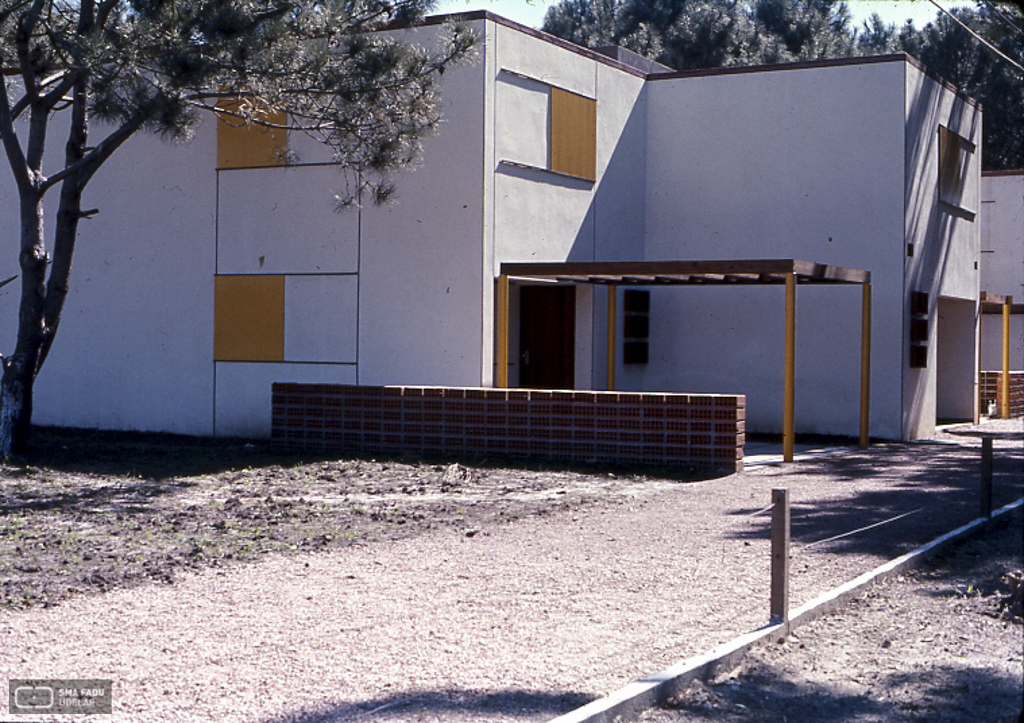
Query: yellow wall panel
242, 145
248, 318
573, 134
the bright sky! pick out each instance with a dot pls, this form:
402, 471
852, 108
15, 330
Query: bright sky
531, 12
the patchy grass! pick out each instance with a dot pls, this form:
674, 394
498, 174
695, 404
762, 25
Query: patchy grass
90, 511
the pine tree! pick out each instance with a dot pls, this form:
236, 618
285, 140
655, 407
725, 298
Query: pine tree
99, 71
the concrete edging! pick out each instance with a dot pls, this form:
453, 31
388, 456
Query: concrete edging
650, 691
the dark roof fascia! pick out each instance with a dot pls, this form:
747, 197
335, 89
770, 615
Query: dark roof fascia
823, 63
475, 15
1007, 172
538, 34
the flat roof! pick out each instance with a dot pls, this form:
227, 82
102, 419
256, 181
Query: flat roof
678, 273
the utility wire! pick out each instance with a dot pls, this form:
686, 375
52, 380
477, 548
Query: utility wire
980, 39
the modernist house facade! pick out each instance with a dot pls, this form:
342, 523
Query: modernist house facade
222, 266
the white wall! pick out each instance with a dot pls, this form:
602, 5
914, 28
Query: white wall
788, 163
133, 348
537, 215
1002, 262
421, 281
945, 243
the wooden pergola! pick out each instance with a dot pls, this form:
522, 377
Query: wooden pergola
999, 304
780, 272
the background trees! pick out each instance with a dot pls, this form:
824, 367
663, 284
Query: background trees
690, 34
97, 71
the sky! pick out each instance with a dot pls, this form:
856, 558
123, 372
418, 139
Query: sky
531, 12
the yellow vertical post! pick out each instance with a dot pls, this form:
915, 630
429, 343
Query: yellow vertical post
1004, 411
788, 431
865, 363
502, 360
611, 338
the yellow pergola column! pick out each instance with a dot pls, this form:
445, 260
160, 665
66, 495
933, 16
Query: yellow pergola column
611, 338
789, 390
865, 364
1004, 410
502, 360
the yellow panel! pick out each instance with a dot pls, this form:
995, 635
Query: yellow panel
573, 134
248, 318
242, 145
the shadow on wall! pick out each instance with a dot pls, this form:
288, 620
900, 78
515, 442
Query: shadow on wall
933, 233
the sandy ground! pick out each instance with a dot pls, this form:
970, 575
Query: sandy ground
518, 620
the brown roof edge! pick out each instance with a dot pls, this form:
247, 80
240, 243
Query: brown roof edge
611, 62
539, 34
810, 64
1006, 172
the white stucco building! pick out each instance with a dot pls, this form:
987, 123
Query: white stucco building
213, 271
1002, 262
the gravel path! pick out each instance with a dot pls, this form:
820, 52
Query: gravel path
519, 621
940, 643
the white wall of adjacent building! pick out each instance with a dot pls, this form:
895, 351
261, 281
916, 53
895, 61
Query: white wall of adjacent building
1002, 263
788, 163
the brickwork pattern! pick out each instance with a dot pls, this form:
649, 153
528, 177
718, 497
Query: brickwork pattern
697, 430
991, 387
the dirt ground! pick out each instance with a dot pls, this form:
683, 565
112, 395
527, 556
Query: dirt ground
89, 511
89, 517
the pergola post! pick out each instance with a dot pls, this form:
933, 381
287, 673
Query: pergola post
503, 303
789, 395
1004, 411
977, 377
611, 338
865, 364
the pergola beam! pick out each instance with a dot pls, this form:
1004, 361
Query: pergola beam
788, 272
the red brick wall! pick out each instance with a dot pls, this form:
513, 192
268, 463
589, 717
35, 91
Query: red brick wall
700, 430
992, 391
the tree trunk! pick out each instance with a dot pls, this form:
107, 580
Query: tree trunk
19, 369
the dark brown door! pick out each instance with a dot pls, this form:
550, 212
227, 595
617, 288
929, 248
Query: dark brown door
547, 337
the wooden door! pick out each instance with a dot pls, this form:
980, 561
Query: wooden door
547, 337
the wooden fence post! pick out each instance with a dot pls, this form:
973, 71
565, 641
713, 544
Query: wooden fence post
780, 556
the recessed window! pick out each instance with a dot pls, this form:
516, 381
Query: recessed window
955, 156
636, 308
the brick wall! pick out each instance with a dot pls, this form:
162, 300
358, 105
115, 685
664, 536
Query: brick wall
699, 430
990, 384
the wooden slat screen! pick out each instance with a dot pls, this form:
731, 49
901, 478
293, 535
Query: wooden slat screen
573, 134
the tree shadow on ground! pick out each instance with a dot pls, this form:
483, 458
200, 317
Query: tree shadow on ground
480, 704
766, 692
154, 456
159, 456
930, 489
